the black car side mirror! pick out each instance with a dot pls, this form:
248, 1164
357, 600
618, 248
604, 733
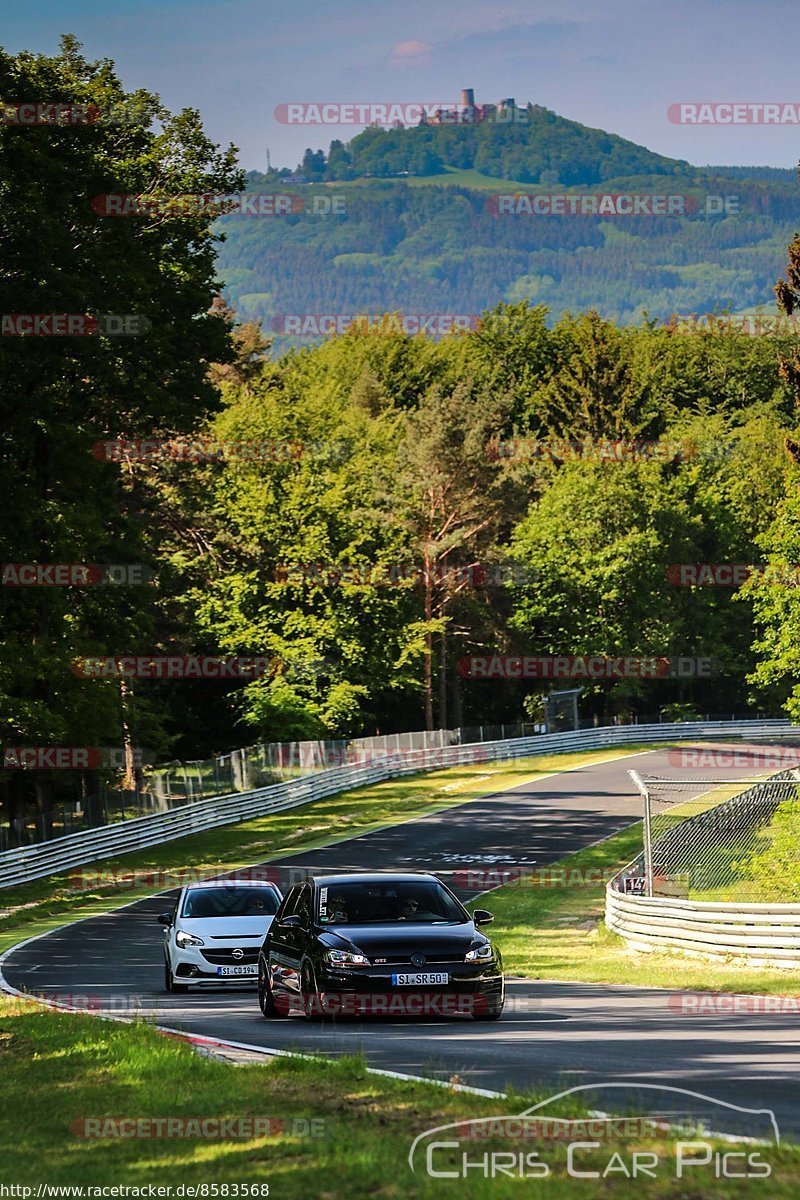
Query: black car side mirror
482, 916
293, 921
165, 918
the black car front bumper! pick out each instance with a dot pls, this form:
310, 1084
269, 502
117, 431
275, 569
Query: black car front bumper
471, 990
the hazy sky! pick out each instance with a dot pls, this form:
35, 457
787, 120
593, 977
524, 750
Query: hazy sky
616, 65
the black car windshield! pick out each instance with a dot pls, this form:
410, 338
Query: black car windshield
230, 902
379, 903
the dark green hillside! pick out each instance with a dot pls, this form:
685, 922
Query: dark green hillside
421, 247
538, 147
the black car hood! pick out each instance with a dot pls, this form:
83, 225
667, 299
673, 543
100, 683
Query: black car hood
401, 937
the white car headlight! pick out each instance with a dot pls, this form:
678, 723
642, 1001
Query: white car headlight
344, 958
480, 953
185, 939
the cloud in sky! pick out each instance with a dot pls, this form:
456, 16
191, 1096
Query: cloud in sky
616, 66
412, 54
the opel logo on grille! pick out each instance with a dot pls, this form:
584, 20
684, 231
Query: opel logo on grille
237, 953
418, 960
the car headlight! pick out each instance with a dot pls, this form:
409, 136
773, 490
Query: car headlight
344, 958
187, 939
480, 954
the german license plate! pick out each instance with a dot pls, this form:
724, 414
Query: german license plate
420, 978
247, 969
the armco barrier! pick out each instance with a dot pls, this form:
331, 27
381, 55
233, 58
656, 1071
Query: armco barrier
34, 862
763, 934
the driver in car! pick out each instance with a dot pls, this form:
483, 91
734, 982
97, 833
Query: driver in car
408, 908
337, 911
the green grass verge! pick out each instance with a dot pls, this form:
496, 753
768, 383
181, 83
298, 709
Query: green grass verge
469, 177
765, 867
559, 933
30, 909
59, 1070
466, 177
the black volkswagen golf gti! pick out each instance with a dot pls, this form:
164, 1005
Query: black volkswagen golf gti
391, 945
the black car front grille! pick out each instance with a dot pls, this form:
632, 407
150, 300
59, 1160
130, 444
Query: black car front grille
404, 960
224, 958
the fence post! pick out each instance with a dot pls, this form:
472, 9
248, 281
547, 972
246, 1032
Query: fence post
648, 832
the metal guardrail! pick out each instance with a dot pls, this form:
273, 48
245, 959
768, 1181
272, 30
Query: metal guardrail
35, 862
764, 934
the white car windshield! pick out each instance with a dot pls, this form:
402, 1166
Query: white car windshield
230, 902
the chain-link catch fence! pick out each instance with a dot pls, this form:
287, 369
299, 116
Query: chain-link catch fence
719, 839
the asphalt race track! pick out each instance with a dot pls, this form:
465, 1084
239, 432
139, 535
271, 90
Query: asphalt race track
552, 1034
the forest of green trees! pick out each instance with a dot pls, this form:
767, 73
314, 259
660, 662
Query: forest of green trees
372, 510
391, 246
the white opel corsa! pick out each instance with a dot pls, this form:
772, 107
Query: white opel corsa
214, 932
